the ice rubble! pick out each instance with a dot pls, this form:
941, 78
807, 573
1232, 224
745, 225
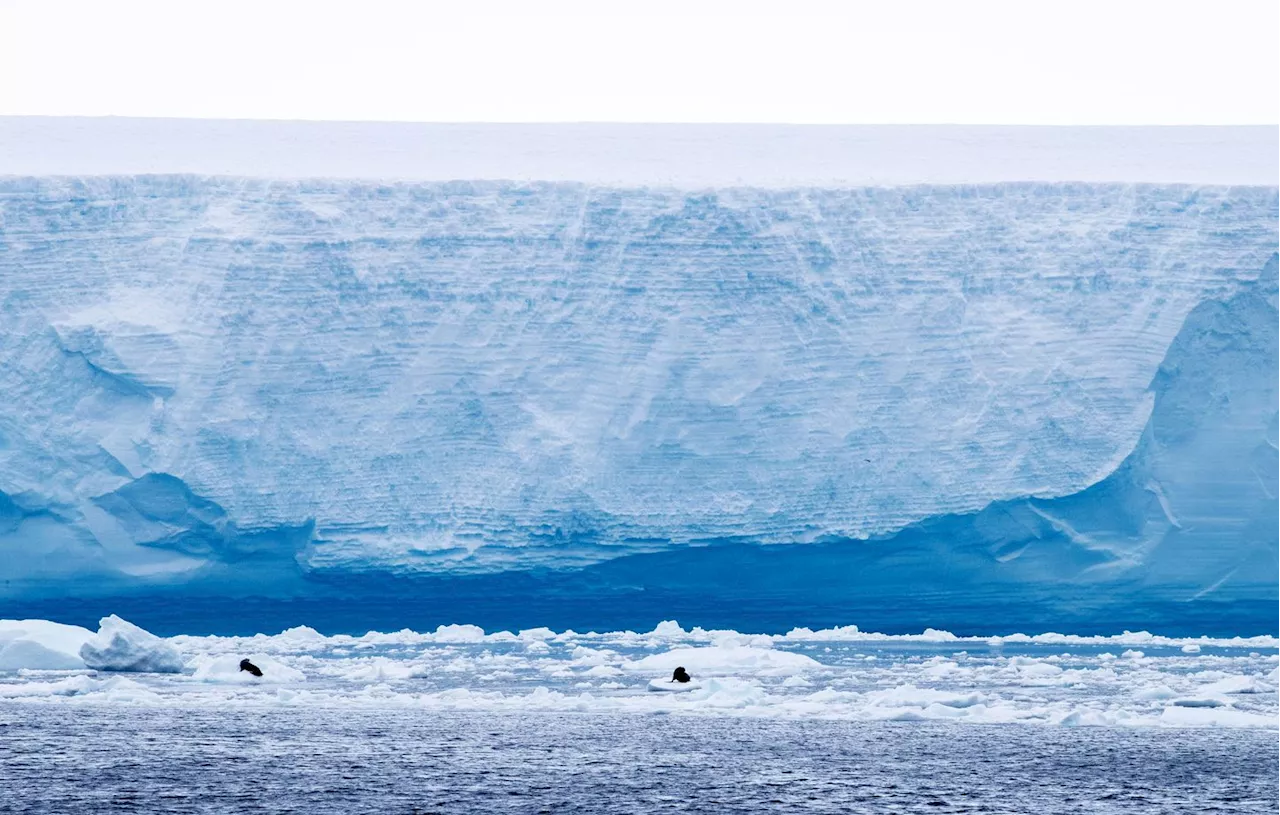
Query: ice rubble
847, 674
719, 661
120, 645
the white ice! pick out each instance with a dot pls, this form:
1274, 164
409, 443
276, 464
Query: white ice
120, 645
1050, 679
41, 645
637, 154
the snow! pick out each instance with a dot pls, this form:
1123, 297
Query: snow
120, 645
227, 669
667, 686
725, 660
41, 645
636, 155
1042, 680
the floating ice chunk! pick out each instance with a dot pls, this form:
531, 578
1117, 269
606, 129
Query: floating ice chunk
731, 639
375, 669
939, 666
458, 633
69, 686
844, 632
1155, 692
720, 660
583, 656
119, 689
41, 645
1191, 648
226, 669
911, 696
120, 645
1200, 701
669, 629
1131, 654
114, 689
1235, 684
936, 635
1083, 717
668, 686
1034, 669
727, 694
536, 634
1183, 716
302, 634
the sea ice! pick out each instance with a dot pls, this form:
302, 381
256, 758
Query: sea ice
227, 669
1050, 680
120, 645
41, 645
720, 660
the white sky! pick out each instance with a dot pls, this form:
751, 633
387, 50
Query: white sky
800, 61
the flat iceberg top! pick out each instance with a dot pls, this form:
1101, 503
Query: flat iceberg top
676, 155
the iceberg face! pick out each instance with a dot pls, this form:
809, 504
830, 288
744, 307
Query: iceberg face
287, 388
120, 645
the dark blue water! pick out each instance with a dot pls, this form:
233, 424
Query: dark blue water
727, 602
91, 758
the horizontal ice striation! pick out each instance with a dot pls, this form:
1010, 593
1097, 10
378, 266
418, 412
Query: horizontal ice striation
472, 377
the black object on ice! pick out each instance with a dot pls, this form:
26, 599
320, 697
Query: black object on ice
680, 675
246, 665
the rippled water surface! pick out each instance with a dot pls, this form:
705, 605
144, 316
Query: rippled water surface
96, 758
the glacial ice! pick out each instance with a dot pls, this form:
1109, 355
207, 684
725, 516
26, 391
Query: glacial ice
120, 645
1064, 393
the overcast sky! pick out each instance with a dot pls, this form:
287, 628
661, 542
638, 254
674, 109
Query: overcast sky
958, 61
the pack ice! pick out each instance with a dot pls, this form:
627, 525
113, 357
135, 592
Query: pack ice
1037, 390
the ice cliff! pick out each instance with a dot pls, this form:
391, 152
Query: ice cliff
252, 385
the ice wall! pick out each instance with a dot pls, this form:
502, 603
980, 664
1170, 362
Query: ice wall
258, 382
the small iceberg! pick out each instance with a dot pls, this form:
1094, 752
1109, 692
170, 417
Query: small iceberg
41, 645
120, 645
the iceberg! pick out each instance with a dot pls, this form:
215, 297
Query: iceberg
120, 645
1036, 403
41, 645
